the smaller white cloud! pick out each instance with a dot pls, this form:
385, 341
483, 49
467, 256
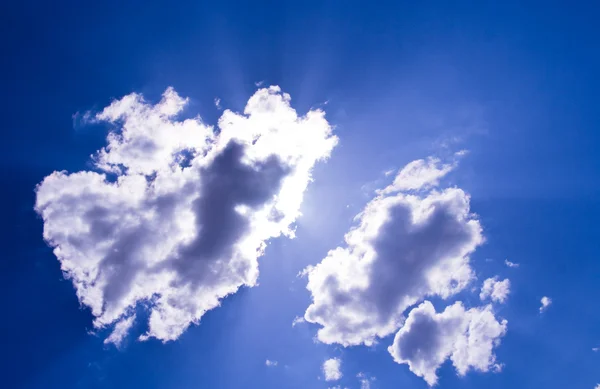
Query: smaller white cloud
120, 331
595, 349
332, 369
466, 337
546, 301
597, 386
420, 174
271, 363
297, 320
510, 264
218, 103
495, 290
365, 381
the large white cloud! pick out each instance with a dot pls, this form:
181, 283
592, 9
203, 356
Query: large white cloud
467, 337
412, 241
176, 214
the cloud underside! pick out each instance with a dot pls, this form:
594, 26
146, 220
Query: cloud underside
412, 241
175, 214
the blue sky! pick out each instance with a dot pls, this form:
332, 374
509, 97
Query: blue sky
514, 84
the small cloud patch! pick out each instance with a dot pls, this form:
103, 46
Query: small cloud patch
546, 302
332, 369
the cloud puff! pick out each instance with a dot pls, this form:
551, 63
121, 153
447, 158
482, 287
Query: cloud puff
412, 241
270, 363
332, 369
365, 381
467, 337
494, 289
510, 264
546, 301
176, 213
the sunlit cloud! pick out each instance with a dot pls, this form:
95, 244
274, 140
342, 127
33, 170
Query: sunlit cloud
176, 213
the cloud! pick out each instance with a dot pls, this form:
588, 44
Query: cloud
467, 337
407, 246
546, 301
270, 363
331, 369
297, 320
176, 214
120, 331
419, 174
510, 264
365, 381
496, 290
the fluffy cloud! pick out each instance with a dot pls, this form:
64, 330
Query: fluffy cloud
495, 290
176, 214
332, 369
510, 264
271, 363
412, 241
546, 301
467, 337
